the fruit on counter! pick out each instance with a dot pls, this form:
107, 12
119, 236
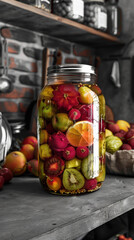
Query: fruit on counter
1, 182
7, 174
58, 141
87, 166
69, 153
16, 162
30, 140
66, 97
73, 179
80, 134
33, 166
108, 133
113, 144
90, 184
28, 151
61, 122
113, 127
131, 142
123, 125
54, 183
82, 152
125, 146
129, 134
86, 95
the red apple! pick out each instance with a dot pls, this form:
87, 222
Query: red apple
33, 167
1, 182
28, 151
7, 174
30, 140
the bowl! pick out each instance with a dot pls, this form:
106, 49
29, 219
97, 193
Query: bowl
120, 163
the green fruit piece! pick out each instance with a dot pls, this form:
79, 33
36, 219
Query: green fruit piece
61, 122
41, 106
87, 166
113, 144
45, 151
49, 111
102, 147
73, 179
42, 122
74, 163
102, 106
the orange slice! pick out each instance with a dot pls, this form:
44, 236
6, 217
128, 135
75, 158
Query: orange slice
80, 134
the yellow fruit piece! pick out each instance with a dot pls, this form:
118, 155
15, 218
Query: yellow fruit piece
45, 151
102, 106
86, 95
80, 134
74, 163
108, 133
43, 136
102, 174
123, 125
47, 92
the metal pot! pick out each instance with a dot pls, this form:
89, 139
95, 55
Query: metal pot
5, 138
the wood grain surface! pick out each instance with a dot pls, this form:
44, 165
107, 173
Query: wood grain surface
32, 18
29, 213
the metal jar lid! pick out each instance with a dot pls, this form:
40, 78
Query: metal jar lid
101, 1
70, 69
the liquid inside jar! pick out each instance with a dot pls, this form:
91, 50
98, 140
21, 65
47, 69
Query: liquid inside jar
71, 137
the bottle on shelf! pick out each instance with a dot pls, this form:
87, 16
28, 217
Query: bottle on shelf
114, 20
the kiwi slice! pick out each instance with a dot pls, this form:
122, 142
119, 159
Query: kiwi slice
87, 166
73, 179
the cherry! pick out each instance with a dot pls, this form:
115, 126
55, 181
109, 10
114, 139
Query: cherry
7, 174
1, 182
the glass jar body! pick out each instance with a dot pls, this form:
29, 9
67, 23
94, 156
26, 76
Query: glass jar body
71, 135
114, 20
43, 4
95, 15
72, 9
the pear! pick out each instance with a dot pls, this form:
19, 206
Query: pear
61, 122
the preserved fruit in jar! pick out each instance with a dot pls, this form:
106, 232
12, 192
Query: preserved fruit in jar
71, 131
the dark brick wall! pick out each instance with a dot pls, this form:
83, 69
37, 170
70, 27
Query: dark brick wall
25, 53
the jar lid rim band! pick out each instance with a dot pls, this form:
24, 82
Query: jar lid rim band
71, 68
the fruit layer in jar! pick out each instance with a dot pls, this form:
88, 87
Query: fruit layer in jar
71, 136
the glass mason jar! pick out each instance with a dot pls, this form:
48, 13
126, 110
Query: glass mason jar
72, 9
95, 14
71, 131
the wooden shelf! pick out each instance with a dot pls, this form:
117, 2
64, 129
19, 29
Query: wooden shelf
28, 212
32, 18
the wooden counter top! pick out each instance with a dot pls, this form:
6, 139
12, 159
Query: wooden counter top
28, 213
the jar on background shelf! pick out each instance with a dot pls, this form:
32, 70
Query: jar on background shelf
114, 20
95, 14
72, 9
71, 131
43, 4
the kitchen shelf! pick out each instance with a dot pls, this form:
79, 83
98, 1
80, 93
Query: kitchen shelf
32, 18
28, 212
